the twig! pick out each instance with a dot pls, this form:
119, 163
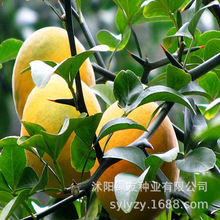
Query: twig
102, 71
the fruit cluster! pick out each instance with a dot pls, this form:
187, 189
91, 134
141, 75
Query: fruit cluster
33, 105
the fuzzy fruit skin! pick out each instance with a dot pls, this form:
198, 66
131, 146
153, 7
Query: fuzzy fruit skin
50, 115
163, 140
49, 43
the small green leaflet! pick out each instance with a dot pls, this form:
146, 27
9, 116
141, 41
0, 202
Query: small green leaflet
9, 49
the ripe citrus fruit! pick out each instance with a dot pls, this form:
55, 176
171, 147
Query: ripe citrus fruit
50, 115
163, 140
49, 43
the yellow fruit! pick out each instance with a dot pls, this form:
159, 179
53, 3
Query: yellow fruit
50, 43
50, 115
163, 140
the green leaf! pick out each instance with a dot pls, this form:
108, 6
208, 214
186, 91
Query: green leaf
177, 78
127, 195
127, 88
170, 41
3, 184
213, 105
211, 49
175, 5
193, 89
132, 154
192, 123
211, 84
182, 32
42, 181
13, 204
9, 49
82, 156
156, 8
197, 161
211, 112
154, 161
160, 79
86, 130
93, 207
159, 8
41, 72
118, 124
81, 148
209, 196
33, 128
8, 141
153, 164
113, 41
160, 93
12, 163
205, 38
105, 92
129, 7
56, 142
194, 21
168, 156
28, 179
121, 21
36, 141
211, 132
5, 197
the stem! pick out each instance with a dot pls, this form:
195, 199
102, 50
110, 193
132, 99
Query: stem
28, 210
113, 53
205, 67
187, 55
74, 96
174, 20
52, 171
136, 40
179, 133
106, 73
59, 173
88, 36
69, 27
157, 121
144, 78
80, 99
